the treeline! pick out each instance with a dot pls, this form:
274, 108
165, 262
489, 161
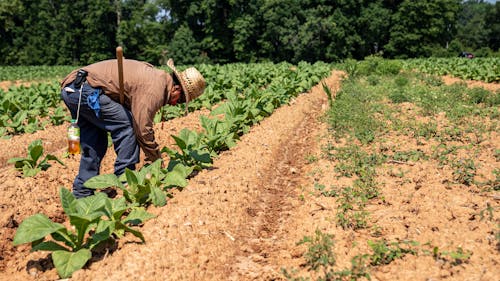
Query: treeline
62, 32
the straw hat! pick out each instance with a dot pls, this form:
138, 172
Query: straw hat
192, 82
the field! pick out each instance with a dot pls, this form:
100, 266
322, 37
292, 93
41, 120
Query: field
336, 172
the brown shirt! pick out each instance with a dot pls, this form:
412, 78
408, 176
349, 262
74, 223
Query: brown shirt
146, 90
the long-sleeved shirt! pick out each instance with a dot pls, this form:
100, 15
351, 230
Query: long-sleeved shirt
146, 90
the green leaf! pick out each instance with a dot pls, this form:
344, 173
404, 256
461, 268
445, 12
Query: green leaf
91, 205
136, 233
68, 262
103, 232
67, 199
54, 158
138, 216
34, 228
180, 142
35, 150
131, 178
29, 171
115, 208
158, 197
103, 181
48, 246
201, 156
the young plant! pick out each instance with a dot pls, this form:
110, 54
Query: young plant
217, 136
328, 93
71, 249
457, 257
30, 165
144, 186
193, 153
465, 171
385, 252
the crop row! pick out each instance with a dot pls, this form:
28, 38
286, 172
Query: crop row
248, 93
34, 72
481, 69
26, 109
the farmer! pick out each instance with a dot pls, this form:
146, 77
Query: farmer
92, 95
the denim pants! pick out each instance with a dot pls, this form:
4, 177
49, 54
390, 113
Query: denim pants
113, 118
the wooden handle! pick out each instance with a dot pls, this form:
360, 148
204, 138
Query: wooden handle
119, 58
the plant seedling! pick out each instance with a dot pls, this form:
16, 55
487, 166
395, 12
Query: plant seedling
30, 165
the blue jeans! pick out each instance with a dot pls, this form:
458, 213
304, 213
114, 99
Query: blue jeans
113, 118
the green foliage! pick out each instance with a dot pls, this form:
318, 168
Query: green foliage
328, 93
385, 252
72, 248
411, 27
28, 109
320, 254
145, 186
457, 257
353, 113
464, 171
482, 69
193, 152
378, 65
48, 33
33, 162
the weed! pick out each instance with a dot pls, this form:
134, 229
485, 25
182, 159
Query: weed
411, 155
310, 158
457, 257
385, 252
353, 114
401, 81
398, 96
489, 210
464, 172
320, 252
426, 130
328, 93
478, 95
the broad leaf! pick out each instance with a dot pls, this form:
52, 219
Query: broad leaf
68, 262
138, 216
158, 197
67, 199
48, 246
34, 228
35, 150
103, 181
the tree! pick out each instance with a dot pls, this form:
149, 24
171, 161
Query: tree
493, 20
421, 26
472, 28
9, 19
184, 49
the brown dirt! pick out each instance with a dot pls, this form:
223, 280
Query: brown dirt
241, 220
5, 85
494, 87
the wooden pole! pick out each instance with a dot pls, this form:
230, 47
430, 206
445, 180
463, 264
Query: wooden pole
119, 58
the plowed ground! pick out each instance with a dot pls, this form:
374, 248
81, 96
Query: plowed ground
241, 219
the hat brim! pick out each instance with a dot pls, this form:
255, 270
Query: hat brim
170, 64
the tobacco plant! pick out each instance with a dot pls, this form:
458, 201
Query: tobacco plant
192, 151
72, 247
30, 165
145, 186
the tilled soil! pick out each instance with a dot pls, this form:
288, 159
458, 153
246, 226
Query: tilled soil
241, 219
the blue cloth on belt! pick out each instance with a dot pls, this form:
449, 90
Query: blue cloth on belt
93, 102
